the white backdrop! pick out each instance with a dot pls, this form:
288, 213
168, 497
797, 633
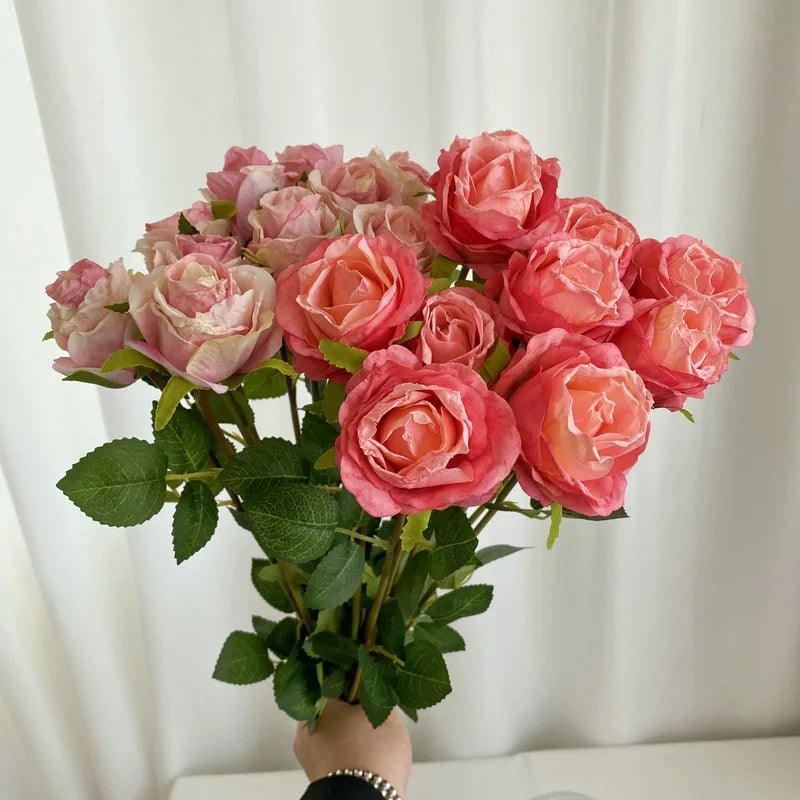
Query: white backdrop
681, 623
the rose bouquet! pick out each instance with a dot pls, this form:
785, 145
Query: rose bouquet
440, 340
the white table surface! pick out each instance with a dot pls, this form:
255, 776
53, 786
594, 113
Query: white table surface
754, 769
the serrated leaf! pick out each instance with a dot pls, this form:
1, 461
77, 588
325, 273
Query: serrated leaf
243, 659
442, 267
459, 577
195, 520
264, 384
296, 689
120, 483
423, 681
263, 627
119, 308
327, 460
283, 637
463, 602
292, 522
620, 513
412, 583
351, 515
412, 329
318, 436
411, 713
414, 529
334, 647
185, 440
444, 638
332, 400
455, 541
556, 512
495, 551
176, 389
223, 209
333, 685
497, 360
336, 577
342, 355
438, 285
261, 464
49, 335
377, 697
81, 376
269, 590
392, 629
185, 227
688, 414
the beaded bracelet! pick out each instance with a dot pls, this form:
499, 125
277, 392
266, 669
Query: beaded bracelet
373, 779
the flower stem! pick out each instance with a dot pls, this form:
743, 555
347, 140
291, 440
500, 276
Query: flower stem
247, 430
291, 391
360, 536
294, 597
504, 492
203, 403
191, 476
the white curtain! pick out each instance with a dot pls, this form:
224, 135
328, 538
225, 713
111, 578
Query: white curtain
681, 623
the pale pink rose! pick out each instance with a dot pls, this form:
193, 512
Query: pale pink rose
564, 283
289, 224
158, 245
404, 162
588, 219
491, 192
83, 326
258, 182
225, 184
687, 266
205, 321
583, 417
674, 345
304, 158
458, 326
402, 222
359, 290
222, 248
418, 437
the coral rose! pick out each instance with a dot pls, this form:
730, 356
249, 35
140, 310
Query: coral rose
402, 222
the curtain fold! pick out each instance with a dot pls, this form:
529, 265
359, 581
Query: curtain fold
680, 623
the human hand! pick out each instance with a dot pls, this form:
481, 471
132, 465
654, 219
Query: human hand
344, 738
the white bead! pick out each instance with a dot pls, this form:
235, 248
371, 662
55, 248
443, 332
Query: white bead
367, 776
359, 773
348, 772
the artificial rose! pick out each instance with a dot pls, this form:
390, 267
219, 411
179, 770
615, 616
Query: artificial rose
402, 222
289, 224
563, 283
258, 181
588, 219
158, 245
204, 320
359, 290
224, 185
418, 437
223, 248
402, 160
83, 326
491, 191
674, 345
687, 266
583, 416
304, 158
458, 326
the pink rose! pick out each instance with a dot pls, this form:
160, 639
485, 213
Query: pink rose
564, 283
204, 320
588, 219
684, 265
491, 191
224, 185
158, 245
360, 290
583, 417
403, 161
83, 326
416, 438
304, 158
258, 181
222, 248
289, 224
458, 326
402, 222
674, 345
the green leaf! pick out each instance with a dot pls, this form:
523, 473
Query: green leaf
260, 465
442, 267
455, 541
411, 713
334, 647
120, 308
176, 389
392, 629
263, 627
733, 356
412, 583
327, 460
195, 520
333, 685
556, 512
221, 407
412, 329
459, 577
351, 515
185, 227
342, 355
495, 551
120, 483
223, 209
377, 697
122, 359
414, 529
243, 659
444, 638
279, 365
264, 384
439, 285
686, 413
81, 376
328, 619
332, 400
48, 335
620, 513
336, 577
318, 436
270, 590
497, 361
464, 602
476, 285
283, 637
185, 440
296, 688
292, 522
423, 681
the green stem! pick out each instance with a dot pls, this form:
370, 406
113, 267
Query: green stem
291, 391
361, 537
247, 430
504, 492
295, 598
191, 476
203, 403
234, 436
